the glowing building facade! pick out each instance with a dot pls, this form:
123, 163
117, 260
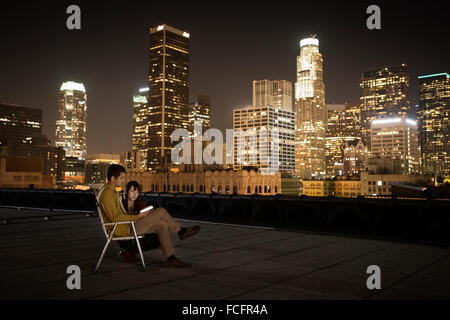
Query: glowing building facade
397, 139
276, 93
310, 111
355, 157
168, 100
383, 93
342, 126
140, 143
71, 120
256, 131
433, 117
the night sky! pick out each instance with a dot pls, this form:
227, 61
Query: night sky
232, 43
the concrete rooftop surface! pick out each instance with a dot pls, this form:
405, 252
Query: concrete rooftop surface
230, 262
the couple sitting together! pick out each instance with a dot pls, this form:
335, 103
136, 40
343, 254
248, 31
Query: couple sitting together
157, 221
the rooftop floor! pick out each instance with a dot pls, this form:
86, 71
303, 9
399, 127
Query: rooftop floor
229, 262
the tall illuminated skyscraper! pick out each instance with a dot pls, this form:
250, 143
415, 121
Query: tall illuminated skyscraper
71, 120
168, 101
383, 93
140, 143
310, 114
434, 125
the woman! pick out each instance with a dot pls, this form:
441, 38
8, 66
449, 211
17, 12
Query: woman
132, 204
154, 228
131, 200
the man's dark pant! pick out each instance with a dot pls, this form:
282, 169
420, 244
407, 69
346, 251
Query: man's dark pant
148, 242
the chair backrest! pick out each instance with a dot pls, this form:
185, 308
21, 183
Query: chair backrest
100, 209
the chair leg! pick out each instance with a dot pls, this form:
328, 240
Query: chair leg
102, 255
139, 246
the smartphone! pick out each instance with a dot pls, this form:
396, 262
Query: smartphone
146, 209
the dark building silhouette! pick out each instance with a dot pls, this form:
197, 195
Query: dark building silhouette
19, 123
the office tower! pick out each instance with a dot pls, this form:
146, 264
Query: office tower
141, 139
310, 111
353, 119
355, 157
433, 120
383, 94
71, 120
341, 127
97, 166
396, 139
254, 147
199, 115
336, 120
277, 93
19, 124
169, 92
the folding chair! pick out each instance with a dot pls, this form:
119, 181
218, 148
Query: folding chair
110, 237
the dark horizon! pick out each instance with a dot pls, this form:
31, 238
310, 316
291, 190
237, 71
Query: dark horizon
231, 45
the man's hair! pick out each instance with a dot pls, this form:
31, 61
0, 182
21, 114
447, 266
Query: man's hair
114, 170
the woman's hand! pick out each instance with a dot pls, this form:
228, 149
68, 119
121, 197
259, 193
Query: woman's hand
143, 214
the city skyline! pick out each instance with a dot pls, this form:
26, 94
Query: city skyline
115, 97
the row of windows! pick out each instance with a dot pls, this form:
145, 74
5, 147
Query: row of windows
187, 188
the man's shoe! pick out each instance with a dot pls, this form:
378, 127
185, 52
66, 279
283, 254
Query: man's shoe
189, 232
177, 263
128, 256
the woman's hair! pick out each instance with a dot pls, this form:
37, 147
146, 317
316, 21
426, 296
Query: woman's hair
137, 186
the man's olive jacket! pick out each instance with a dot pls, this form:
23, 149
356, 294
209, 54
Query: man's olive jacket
113, 211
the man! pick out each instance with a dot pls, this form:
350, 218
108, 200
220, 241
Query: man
154, 221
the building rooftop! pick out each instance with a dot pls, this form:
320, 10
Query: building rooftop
229, 262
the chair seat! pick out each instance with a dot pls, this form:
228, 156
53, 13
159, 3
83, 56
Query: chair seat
125, 238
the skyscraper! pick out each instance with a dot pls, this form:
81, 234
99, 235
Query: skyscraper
140, 143
383, 93
341, 127
168, 100
199, 114
277, 93
71, 120
256, 131
433, 119
19, 124
310, 111
396, 139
